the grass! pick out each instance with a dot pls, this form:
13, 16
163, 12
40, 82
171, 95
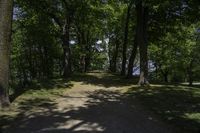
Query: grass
176, 104
37, 94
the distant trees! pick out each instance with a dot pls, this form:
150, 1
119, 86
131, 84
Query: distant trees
36, 53
172, 40
176, 57
114, 30
73, 21
6, 7
61, 14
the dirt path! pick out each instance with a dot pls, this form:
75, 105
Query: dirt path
88, 108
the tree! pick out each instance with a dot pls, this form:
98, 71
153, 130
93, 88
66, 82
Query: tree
55, 37
61, 12
126, 31
6, 7
132, 59
35, 50
87, 24
142, 20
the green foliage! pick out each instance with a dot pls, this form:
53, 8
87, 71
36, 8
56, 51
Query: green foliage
175, 53
37, 50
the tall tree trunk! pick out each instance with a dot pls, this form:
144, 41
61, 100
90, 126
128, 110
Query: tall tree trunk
88, 52
30, 58
190, 73
85, 47
165, 77
82, 47
123, 71
6, 7
67, 70
87, 63
165, 74
190, 78
87, 57
142, 16
156, 66
113, 67
132, 59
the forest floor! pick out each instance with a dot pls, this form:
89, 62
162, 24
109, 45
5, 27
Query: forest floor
102, 103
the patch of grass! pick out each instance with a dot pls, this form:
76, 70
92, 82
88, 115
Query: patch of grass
45, 88
176, 104
36, 95
48, 89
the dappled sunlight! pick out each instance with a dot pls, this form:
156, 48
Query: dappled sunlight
46, 88
193, 116
176, 104
103, 80
99, 66
104, 104
83, 110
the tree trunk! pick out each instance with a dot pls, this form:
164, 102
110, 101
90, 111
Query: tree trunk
113, 67
142, 16
166, 77
88, 52
132, 59
190, 74
165, 74
87, 57
190, 78
156, 71
67, 70
82, 63
6, 7
33, 73
123, 71
87, 63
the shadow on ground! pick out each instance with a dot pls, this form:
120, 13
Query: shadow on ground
179, 105
103, 112
51, 119
104, 79
40, 85
96, 78
108, 111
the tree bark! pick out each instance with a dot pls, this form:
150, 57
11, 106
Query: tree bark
88, 52
87, 63
87, 57
190, 73
123, 71
67, 70
6, 8
166, 77
132, 59
190, 78
142, 16
113, 67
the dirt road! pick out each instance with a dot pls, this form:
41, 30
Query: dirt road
88, 108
